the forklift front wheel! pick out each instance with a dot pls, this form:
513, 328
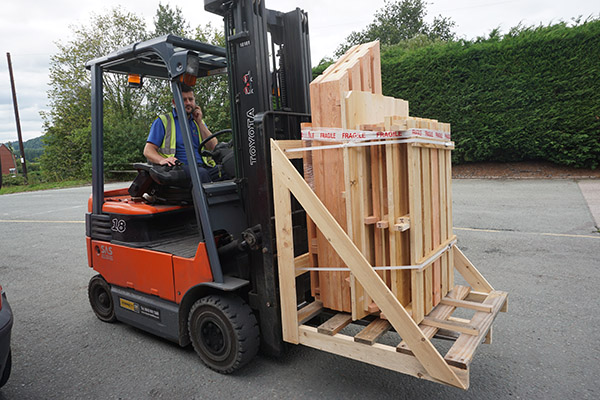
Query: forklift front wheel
224, 332
101, 299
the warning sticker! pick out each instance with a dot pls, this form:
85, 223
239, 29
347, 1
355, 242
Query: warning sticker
141, 309
129, 305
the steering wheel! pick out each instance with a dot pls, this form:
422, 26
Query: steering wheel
214, 135
222, 154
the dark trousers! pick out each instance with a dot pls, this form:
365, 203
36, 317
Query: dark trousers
207, 174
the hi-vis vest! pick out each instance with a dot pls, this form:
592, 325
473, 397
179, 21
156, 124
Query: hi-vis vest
169, 144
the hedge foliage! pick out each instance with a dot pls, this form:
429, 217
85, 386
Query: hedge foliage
533, 94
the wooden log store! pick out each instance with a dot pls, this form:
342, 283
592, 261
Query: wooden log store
377, 191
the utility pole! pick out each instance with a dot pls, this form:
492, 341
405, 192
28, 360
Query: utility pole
14, 94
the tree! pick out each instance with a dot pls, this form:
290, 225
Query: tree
128, 112
399, 21
212, 93
169, 21
67, 124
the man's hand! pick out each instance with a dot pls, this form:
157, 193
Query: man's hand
168, 161
151, 153
197, 115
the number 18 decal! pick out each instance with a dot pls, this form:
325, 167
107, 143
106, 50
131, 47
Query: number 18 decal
118, 225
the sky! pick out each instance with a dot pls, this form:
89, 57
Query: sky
30, 29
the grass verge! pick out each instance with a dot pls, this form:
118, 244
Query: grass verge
42, 186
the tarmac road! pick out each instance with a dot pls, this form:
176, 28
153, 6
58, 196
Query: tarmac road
536, 239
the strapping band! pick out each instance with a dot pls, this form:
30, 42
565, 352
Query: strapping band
419, 267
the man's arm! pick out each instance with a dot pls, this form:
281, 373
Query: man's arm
152, 154
155, 137
204, 131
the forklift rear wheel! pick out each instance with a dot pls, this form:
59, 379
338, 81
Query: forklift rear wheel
101, 299
224, 332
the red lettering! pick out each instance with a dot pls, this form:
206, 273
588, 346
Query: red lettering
353, 135
327, 135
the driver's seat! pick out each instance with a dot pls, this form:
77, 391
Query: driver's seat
161, 184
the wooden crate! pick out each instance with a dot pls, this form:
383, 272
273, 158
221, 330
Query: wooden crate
415, 354
380, 191
381, 245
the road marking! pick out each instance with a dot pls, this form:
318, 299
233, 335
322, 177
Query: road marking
528, 233
38, 221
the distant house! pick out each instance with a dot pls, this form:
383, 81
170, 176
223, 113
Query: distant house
7, 160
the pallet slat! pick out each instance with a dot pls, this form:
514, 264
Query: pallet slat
468, 304
335, 324
451, 325
373, 331
310, 311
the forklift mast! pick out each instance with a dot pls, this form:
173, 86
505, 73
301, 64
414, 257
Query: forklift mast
268, 61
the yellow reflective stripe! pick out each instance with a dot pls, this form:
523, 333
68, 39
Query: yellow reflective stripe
208, 161
170, 136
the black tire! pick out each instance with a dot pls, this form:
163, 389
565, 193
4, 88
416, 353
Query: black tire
101, 299
224, 332
7, 368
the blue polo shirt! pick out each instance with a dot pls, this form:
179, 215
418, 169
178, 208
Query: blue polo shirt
157, 135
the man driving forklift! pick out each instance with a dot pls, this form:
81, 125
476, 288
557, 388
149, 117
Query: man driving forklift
165, 144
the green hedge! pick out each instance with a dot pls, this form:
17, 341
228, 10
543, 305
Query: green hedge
532, 95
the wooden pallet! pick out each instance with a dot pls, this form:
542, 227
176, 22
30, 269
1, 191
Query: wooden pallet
466, 334
415, 355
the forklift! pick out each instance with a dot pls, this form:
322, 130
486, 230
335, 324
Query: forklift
196, 262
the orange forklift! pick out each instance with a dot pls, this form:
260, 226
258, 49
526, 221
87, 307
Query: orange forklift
192, 262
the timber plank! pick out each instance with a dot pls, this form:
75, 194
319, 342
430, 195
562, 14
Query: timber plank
435, 221
452, 325
373, 331
310, 311
443, 220
416, 239
403, 249
285, 259
392, 206
427, 225
468, 304
470, 273
300, 262
335, 324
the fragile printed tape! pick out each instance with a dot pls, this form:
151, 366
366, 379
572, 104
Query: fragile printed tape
342, 135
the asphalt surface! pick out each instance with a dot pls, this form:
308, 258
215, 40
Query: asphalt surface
536, 239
